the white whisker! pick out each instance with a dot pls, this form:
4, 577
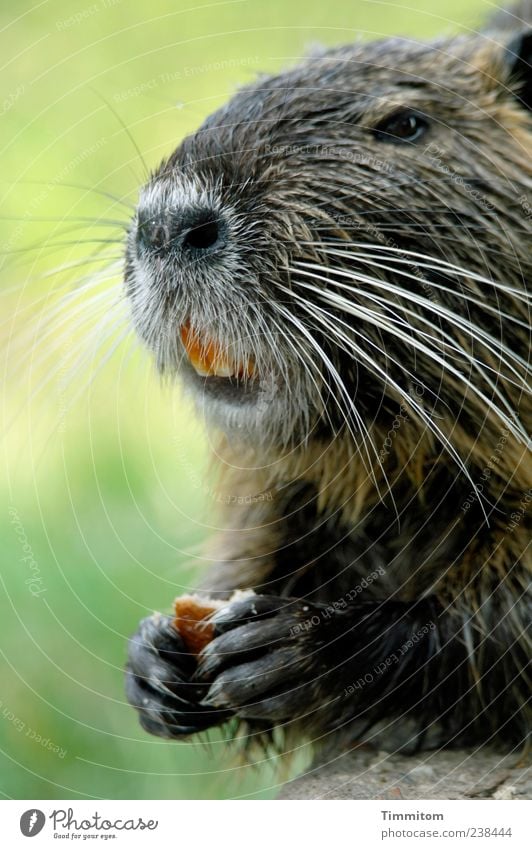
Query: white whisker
357, 417
436, 264
368, 315
495, 346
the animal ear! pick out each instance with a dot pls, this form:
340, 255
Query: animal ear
518, 59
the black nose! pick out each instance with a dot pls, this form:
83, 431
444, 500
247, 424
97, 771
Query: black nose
195, 232
202, 235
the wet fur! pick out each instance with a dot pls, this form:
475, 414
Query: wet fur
447, 540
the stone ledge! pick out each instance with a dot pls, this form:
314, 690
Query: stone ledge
365, 773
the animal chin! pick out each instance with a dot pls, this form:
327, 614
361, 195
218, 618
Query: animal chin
209, 360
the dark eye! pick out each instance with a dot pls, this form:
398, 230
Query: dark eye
404, 126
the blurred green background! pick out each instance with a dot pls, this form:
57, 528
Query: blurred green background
105, 505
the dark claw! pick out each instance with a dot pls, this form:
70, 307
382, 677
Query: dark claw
162, 715
256, 608
158, 682
243, 641
265, 662
242, 684
158, 656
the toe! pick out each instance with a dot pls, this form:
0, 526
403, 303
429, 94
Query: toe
246, 642
166, 715
254, 607
246, 682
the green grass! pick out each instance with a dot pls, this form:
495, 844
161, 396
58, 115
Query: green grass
103, 509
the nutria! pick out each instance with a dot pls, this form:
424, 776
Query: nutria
336, 265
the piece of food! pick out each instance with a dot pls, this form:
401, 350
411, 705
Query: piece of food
192, 618
192, 614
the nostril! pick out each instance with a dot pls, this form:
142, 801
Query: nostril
162, 232
152, 233
202, 236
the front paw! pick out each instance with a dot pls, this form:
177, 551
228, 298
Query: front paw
267, 660
158, 682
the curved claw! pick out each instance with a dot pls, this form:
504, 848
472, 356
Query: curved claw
158, 682
244, 641
255, 607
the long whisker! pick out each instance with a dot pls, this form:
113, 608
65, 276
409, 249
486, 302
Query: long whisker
81, 286
307, 365
74, 320
79, 186
357, 417
437, 264
433, 305
105, 303
386, 378
88, 383
370, 259
435, 234
127, 132
80, 219
43, 247
473, 361
482, 336
103, 330
351, 346
446, 341
369, 316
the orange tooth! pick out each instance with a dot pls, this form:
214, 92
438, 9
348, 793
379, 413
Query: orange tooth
207, 358
203, 357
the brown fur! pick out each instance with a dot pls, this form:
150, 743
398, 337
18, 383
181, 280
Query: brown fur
445, 514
